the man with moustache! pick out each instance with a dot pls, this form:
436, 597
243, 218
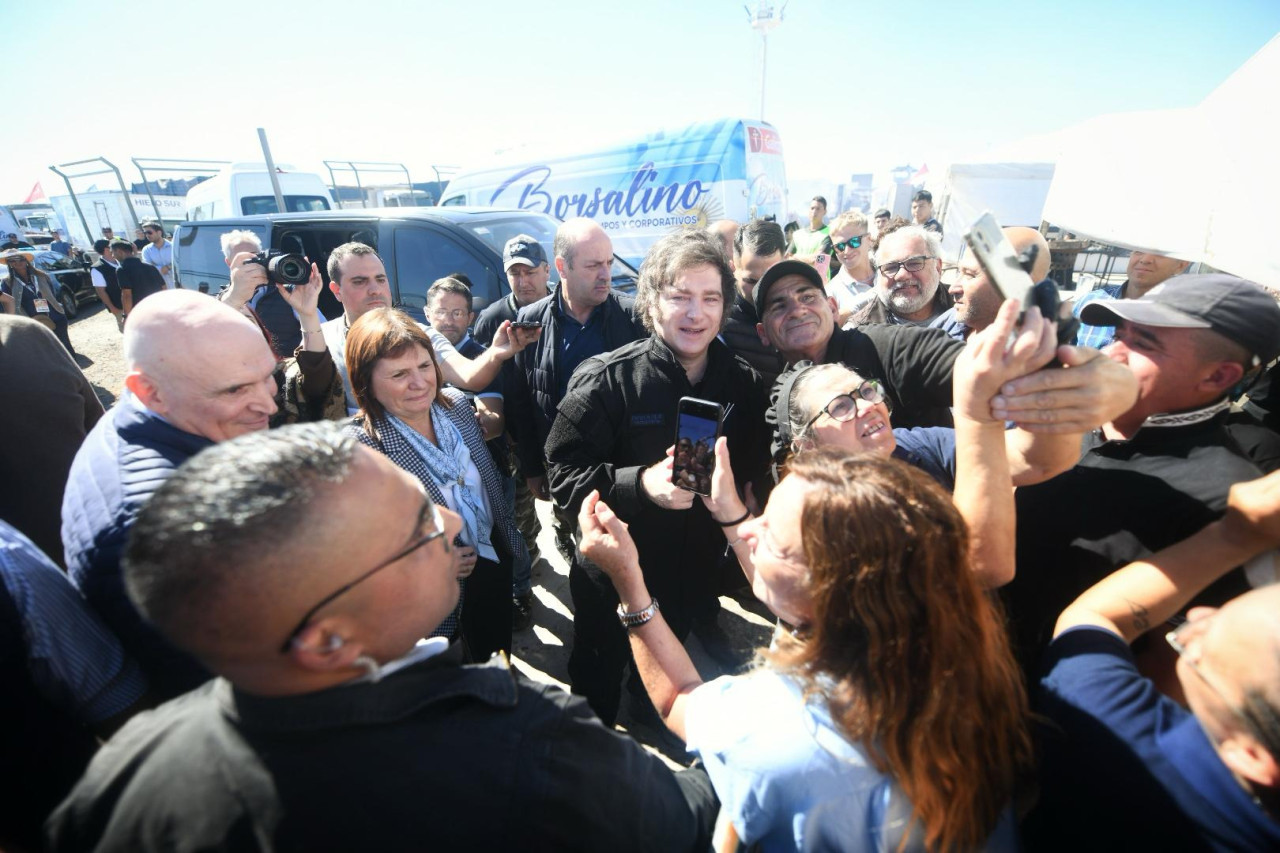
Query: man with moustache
908, 276
528, 272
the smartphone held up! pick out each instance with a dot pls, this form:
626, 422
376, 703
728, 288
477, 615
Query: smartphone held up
698, 425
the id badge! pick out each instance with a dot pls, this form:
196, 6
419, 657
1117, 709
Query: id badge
42, 306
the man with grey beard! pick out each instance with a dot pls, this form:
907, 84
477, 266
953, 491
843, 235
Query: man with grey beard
908, 263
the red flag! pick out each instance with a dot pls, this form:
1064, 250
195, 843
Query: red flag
36, 194
918, 178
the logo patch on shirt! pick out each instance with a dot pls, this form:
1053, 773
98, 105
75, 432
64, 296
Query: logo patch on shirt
648, 419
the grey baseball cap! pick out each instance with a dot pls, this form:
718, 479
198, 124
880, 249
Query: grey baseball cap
523, 249
1239, 310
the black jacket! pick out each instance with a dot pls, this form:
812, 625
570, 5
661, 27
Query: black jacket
914, 364
740, 334
619, 417
436, 756
531, 406
140, 279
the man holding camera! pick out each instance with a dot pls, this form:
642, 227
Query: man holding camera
250, 290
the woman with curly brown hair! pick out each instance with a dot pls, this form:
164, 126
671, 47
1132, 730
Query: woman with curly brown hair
894, 710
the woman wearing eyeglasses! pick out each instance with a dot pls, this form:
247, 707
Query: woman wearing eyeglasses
407, 413
854, 284
893, 712
979, 460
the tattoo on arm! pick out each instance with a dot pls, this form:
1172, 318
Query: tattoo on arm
1141, 618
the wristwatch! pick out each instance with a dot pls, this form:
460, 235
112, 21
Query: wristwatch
638, 618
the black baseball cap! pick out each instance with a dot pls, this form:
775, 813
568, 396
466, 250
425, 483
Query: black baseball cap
1239, 310
884, 211
779, 270
523, 249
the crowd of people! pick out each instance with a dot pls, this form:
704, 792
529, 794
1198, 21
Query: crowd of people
266, 600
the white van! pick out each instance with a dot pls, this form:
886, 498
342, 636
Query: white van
245, 189
642, 189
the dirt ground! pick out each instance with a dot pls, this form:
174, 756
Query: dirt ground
542, 651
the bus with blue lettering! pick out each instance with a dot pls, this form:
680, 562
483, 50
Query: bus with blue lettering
641, 189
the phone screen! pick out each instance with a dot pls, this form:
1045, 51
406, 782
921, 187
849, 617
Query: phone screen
695, 452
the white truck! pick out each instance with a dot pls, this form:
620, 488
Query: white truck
642, 189
110, 209
245, 189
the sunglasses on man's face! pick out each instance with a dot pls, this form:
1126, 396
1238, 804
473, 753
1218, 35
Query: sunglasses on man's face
853, 242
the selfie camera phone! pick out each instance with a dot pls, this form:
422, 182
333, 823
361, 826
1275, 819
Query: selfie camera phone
1000, 262
698, 424
525, 324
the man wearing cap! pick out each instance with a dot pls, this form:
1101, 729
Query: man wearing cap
1146, 270
914, 364
137, 280
12, 242
882, 218
1162, 470
525, 263
922, 212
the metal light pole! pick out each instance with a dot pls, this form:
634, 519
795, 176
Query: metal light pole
763, 19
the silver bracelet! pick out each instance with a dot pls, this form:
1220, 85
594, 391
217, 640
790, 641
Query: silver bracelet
638, 618
316, 332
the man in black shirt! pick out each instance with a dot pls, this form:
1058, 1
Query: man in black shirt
137, 280
1159, 472
329, 726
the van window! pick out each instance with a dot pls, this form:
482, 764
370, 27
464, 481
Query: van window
424, 255
454, 201
198, 259
255, 204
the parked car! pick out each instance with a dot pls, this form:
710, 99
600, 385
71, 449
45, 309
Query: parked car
71, 280
417, 244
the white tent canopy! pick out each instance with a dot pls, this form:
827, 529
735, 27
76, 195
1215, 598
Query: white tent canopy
1197, 184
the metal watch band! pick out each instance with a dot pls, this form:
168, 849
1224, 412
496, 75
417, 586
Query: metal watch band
638, 618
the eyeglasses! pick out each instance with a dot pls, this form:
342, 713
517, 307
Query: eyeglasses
853, 242
437, 530
148, 233
844, 407
1259, 717
913, 264
455, 314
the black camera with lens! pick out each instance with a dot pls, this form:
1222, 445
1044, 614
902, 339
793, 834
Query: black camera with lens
283, 268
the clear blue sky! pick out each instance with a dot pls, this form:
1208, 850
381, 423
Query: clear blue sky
853, 86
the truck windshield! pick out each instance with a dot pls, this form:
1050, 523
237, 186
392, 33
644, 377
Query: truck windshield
495, 232
255, 204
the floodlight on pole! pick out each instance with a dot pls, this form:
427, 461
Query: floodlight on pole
764, 19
